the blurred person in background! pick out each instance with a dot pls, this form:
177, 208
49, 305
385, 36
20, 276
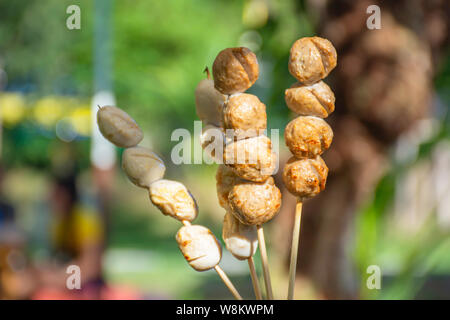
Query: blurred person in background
15, 282
77, 235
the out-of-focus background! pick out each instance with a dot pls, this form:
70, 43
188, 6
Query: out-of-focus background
64, 199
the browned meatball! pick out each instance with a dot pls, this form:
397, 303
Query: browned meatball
235, 70
311, 59
305, 178
255, 203
307, 137
314, 100
251, 159
246, 115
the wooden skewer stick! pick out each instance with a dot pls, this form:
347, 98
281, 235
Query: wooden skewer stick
265, 262
227, 282
255, 281
294, 249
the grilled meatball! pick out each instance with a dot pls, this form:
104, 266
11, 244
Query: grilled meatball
246, 115
251, 159
305, 178
307, 137
311, 59
313, 100
235, 70
255, 203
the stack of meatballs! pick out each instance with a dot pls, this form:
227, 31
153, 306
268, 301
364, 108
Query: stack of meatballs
308, 135
245, 187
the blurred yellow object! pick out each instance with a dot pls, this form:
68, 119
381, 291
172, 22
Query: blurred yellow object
81, 228
12, 106
48, 110
81, 120
255, 13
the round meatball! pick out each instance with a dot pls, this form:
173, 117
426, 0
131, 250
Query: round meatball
254, 203
311, 59
307, 137
314, 100
240, 239
251, 159
142, 166
246, 115
118, 127
235, 70
173, 199
199, 246
209, 102
305, 178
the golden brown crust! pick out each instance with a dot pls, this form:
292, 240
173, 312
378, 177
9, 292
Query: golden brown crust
251, 159
235, 70
246, 115
172, 198
305, 178
307, 137
314, 100
311, 59
254, 203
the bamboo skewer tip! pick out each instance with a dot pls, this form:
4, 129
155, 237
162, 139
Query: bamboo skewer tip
254, 276
294, 248
264, 262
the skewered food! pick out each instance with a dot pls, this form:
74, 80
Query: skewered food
246, 115
311, 59
251, 159
255, 203
225, 180
308, 136
173, 199
118, 127
212, 140
142, 166
235, 70
310, 100
209, 102
199, 246
240, 239
305, 178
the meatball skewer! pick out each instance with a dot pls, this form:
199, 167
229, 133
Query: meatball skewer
307, 136
248, 153
235, 70
145, 169
240, 240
